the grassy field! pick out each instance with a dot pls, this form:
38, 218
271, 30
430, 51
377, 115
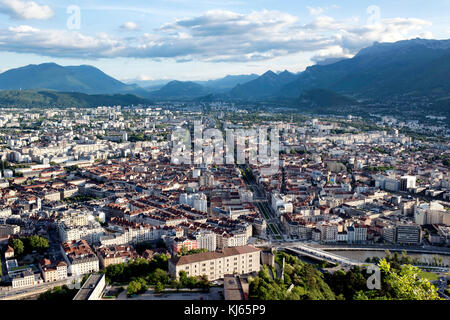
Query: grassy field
429, 276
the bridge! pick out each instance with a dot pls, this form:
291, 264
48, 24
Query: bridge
429, 250
319, 254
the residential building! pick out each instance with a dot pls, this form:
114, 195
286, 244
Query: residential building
215, 265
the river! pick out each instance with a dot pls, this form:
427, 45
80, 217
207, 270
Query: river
363, 255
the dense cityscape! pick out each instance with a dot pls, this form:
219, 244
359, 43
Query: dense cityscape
224, 159
92, 194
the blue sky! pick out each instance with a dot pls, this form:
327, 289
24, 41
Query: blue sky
206, 39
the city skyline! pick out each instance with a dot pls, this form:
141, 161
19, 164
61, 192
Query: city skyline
203, 40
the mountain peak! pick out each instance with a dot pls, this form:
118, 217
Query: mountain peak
269, 73
51, 76
418, 66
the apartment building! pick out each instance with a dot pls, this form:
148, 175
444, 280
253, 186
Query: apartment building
91, 232
215, 265
206, 240
233, 239
409, 234
80, 257
356, 234
8, 229
116, 254
53, 271
23, 279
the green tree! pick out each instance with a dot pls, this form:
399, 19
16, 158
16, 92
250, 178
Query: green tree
404, 283
134, 287
58, 294
38, 243
159, 287
18, 246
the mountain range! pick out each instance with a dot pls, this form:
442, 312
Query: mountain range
84, 79
410, 67
415, 67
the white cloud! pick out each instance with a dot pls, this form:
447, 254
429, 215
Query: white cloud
27, 10
315, 11
57, 43
218, 36
331, 53
354, 38
143, 77
131, 26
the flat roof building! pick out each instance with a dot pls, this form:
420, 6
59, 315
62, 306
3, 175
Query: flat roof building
92, 289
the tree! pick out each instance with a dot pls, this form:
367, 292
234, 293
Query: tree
159, 287
134, 287
183, 278
191, 283
18, 246
38, 243
58, 294
160, 276
177, 284
404, 283
204, 283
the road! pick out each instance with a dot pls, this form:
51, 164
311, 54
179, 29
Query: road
20, 293
273, 222
316, 253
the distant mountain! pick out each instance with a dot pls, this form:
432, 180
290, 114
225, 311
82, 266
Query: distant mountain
228, 82
85, 79
148, 83
324, 98
263, 87
180, 90
412, 67
45, 98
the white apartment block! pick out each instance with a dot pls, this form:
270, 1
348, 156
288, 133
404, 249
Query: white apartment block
215, 265
91, 233
197, 201
206, 240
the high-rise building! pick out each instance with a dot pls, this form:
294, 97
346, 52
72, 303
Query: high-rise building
408, 234
407, 182
206, 240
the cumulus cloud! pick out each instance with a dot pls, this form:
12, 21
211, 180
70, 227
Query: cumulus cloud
388, 30
57, 43
131, 26
218, 36
331, 53
27, 10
